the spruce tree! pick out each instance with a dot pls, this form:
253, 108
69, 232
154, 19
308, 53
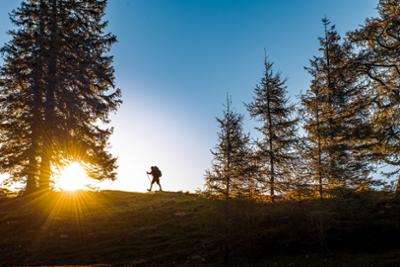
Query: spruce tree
21, 94
62, 50
336, 116
314, 156
78, 89
230, 167
276, 148
378, 44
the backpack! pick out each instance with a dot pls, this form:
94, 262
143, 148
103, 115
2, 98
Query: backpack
157, 172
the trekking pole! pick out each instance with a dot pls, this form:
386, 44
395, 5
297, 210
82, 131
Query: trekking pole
148, 178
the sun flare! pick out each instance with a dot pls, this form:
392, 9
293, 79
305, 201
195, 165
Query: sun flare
72, 178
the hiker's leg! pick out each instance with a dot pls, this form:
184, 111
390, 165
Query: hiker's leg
159, 185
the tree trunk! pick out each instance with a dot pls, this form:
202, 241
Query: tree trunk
227, 192
32, 178
319, 152
332, 165
272, 189
49, 112
33, 170
45, 174
397, 193
31, 185
228, 152
271, 156
320, 189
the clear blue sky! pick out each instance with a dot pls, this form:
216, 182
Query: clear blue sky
175, 61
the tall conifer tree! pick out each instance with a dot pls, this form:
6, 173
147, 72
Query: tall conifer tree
230, 168
378, 43
336, 116
276, 148
62, 50
21, 102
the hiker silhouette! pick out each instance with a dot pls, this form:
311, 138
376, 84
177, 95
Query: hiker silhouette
156, 173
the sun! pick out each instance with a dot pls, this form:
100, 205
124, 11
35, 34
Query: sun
72, 177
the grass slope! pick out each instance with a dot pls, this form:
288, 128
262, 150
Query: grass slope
169, 229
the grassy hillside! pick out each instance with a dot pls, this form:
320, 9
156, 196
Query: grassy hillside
168, 229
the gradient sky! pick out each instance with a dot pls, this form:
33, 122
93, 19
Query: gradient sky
175, 60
